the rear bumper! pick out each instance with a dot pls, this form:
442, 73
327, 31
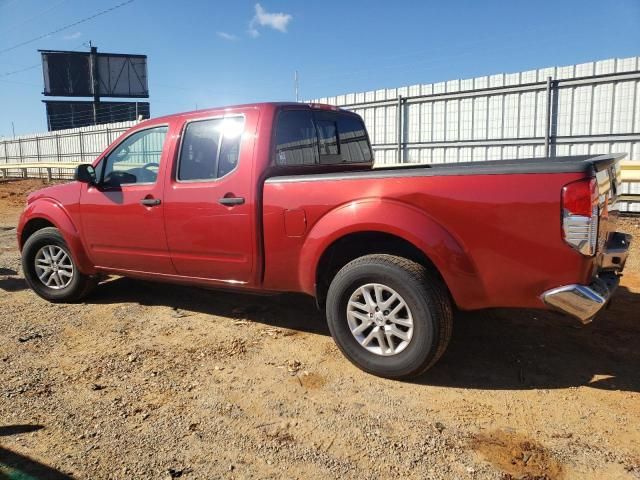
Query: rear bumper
585, 301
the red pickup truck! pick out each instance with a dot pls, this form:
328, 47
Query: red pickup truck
276, 197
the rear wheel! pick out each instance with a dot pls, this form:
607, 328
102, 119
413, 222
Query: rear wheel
50, 269
390, 316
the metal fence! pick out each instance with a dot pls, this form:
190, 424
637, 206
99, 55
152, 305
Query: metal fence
78, 145
588, 108
578, 109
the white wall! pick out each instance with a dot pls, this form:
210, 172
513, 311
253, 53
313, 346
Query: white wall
594, 108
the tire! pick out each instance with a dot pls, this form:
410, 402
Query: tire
427, 318
65, 288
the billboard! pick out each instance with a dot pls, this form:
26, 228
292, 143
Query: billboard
62, 114
67, 74
87, 74
122, 75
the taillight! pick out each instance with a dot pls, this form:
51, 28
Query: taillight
580, 215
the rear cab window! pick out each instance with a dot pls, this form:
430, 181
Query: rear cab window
307, 137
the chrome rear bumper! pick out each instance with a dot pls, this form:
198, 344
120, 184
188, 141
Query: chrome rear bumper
582, 301
585, 301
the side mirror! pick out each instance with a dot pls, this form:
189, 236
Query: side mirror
85, 173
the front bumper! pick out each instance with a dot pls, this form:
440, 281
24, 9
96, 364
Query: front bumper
585, 301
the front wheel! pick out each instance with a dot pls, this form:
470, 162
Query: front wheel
50, 269
389, 316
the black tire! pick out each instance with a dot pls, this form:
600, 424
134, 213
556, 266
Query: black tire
80, 284
425, 296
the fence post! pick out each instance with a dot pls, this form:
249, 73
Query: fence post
24, 170
81, 148
547, 118
58, 150
38, 156
6, 159
57, 147
399, 129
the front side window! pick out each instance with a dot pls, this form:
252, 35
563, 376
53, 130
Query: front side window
210, 148
306, 137
136, 159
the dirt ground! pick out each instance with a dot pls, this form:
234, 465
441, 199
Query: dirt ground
155, 381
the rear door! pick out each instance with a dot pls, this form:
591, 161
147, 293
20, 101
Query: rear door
209, 199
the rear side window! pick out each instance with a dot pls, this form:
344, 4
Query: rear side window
296, 138
354, 144
305, 137
210, 148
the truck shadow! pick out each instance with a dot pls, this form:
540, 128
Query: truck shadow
531, 349
293, 311
12, 283
493, 350
15, 466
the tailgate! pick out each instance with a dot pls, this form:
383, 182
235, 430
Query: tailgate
608, 176
609, 248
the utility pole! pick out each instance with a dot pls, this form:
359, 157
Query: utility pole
13, 129
295, 85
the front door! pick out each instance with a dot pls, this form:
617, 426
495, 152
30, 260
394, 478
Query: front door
209, 206
122, 216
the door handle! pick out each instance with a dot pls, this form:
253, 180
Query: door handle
150, 202
231, 201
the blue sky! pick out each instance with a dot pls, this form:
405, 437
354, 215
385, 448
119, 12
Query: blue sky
208, 53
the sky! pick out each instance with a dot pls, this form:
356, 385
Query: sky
207, 53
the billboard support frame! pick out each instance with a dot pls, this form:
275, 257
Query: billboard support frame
94, 78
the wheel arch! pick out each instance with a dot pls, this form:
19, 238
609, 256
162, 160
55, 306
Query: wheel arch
32, 226
49, 213
392, 227
358, 244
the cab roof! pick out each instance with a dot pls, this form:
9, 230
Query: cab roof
245, 106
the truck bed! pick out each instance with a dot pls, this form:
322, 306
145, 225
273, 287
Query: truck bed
586, 164
492, 228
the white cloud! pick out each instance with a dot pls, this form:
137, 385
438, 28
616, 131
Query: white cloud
277, 21
227, 36
73, 36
